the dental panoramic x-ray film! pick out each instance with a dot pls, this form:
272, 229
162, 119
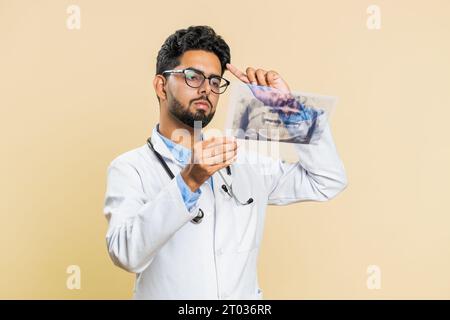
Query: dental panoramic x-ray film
264, 113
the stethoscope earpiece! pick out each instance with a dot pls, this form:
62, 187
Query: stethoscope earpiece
229, 190
199, 217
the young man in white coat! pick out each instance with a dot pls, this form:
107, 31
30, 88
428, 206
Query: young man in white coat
183, 214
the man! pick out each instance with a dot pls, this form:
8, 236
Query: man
183, 214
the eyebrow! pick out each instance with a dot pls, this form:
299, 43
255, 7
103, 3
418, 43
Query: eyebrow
212, 74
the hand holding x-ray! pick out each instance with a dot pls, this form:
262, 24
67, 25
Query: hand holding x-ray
270, 111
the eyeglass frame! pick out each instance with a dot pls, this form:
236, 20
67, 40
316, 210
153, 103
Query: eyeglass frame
204, 78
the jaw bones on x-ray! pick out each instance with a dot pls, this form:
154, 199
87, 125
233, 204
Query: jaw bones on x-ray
264, 113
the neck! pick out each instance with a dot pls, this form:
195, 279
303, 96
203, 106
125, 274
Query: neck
178, 132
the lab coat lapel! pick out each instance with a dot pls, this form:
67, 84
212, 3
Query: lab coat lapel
160, 146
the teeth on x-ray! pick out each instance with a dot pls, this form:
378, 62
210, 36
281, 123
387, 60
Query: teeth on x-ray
263, 113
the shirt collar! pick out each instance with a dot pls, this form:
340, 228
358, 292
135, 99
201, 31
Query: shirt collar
179, 152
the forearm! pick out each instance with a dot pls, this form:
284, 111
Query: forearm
138, 229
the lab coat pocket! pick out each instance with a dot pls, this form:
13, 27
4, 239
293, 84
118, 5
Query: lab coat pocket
246, 229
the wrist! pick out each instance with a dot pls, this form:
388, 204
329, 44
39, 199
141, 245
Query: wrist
190, 181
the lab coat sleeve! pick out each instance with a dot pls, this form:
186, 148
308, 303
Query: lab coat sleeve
319, 175
139, 226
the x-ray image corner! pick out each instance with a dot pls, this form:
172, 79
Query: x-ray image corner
298, 120
183, 214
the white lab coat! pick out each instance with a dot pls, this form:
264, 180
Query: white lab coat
150, 232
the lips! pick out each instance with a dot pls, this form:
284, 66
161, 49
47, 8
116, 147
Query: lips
202, 105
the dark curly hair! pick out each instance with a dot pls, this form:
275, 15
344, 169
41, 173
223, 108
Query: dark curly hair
192, 38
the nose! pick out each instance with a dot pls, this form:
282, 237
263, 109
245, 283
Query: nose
205, 88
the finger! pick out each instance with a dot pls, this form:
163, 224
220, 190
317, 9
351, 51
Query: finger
207, 147
272, 77
218, 139
220, 158
211, 143
219, 149
217, 167
207, 142
261, 77
251, 75
230, 161
222, 165
237, 73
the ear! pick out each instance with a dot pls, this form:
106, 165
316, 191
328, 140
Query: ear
158, 84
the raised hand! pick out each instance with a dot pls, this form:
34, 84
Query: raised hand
267, 86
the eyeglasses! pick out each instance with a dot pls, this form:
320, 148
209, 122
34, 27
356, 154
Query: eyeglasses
195, 78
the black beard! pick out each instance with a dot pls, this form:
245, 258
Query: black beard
188, 118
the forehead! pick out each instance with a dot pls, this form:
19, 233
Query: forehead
202, 60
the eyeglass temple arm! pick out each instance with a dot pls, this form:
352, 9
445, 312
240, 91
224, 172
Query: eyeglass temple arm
173, 71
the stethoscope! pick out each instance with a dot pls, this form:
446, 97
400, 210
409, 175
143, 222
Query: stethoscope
225, 187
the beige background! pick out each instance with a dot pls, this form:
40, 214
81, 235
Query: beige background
71, 101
